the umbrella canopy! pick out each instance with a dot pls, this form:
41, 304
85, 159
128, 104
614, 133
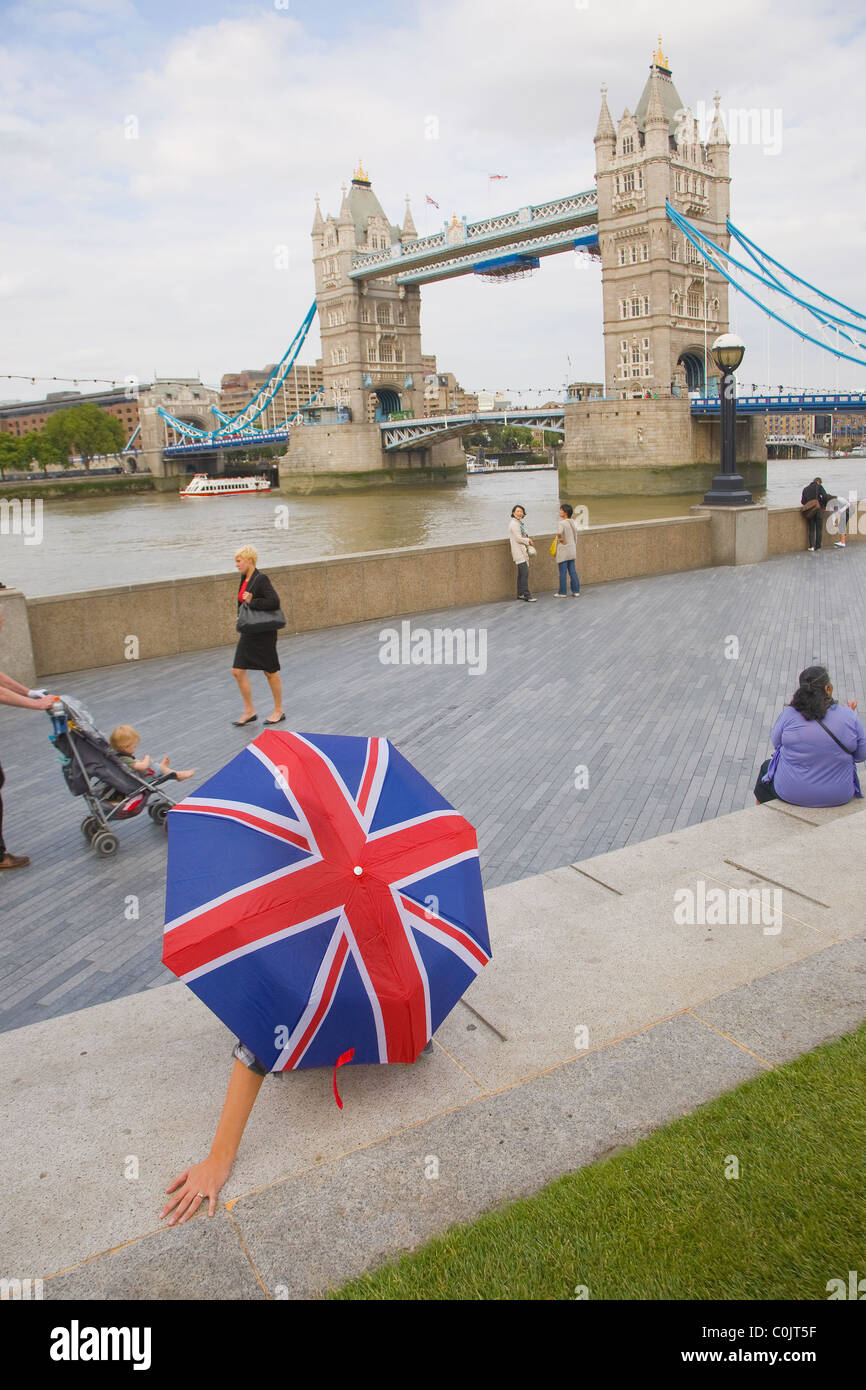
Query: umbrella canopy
322, 897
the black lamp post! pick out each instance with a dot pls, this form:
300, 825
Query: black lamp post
728, 489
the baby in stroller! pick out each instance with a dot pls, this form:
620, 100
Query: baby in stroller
125, 740
106, 773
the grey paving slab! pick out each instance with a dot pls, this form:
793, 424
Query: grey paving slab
143, 1080
332, 1223
202, 1259
795, 1009
742, 835
624, 964
632, 682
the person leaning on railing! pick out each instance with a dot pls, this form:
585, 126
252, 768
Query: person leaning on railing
812, 503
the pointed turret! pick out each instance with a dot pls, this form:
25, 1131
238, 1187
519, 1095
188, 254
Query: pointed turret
655, 112
718, 144
409, 231
605, 134
656, 124
318, 221
659, 85
605, 129
718, 135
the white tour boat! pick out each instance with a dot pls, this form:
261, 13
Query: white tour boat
203, 485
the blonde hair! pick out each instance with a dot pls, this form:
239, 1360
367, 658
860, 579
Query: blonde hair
247, 552
123, 738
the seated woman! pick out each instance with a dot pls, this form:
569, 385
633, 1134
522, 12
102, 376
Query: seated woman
818, 744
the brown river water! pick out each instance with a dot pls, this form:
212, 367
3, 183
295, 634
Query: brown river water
100, 542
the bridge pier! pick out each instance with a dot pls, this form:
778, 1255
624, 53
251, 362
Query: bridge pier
650, 447
334, 458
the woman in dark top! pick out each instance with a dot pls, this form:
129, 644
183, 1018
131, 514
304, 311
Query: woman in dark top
256, 651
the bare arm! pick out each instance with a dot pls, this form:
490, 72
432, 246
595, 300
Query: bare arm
206, 1179
11, 693
9, 684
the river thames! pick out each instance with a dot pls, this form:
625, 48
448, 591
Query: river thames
100, 542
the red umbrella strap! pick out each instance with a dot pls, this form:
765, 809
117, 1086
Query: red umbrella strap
344, 1057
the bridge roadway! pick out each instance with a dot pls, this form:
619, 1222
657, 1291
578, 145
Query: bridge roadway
406, 434
629, 681
821, 403
538, 230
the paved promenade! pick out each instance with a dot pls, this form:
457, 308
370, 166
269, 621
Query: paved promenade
630, 682
600, 1018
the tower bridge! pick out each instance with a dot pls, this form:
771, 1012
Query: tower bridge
369, 272
656, 224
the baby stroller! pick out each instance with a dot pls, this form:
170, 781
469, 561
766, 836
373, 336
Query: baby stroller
92, 769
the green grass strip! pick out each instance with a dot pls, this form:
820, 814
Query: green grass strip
661, 1220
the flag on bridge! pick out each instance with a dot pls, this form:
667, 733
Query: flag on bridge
497, 176
324, 900
432, 201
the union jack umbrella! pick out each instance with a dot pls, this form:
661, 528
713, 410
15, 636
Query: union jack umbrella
324, 901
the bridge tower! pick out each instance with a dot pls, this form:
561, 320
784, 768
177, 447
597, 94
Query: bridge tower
371, 330
654, 284
187, 399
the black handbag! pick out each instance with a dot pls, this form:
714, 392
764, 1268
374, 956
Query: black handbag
253, 620
764, 791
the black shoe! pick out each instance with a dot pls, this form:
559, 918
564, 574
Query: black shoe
527, 598
240, 723
281, 720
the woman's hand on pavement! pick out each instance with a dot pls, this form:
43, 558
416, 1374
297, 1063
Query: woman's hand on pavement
202, 1180
852, 704
246, 598
44, 701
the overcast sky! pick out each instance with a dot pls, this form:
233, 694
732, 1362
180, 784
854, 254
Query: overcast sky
156, 253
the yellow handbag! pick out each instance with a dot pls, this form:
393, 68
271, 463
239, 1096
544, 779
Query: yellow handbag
553, 548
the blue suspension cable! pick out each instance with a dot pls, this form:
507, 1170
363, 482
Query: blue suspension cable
276, 378
692, 234
237, 424
823, 316
742, 238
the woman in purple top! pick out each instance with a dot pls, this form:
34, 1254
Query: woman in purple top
818, 743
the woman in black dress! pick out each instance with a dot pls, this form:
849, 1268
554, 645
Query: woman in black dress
256, 651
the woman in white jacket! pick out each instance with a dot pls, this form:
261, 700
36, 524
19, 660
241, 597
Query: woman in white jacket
520, 552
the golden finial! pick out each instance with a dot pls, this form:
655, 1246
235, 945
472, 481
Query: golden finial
660, 61
455, 222
360, 174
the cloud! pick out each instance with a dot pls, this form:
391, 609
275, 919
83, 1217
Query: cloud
155, 170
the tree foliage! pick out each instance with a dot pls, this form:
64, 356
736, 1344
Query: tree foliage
505, 438
83, 430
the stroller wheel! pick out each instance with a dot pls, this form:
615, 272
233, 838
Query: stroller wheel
105, 844
159, 812
88, 825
